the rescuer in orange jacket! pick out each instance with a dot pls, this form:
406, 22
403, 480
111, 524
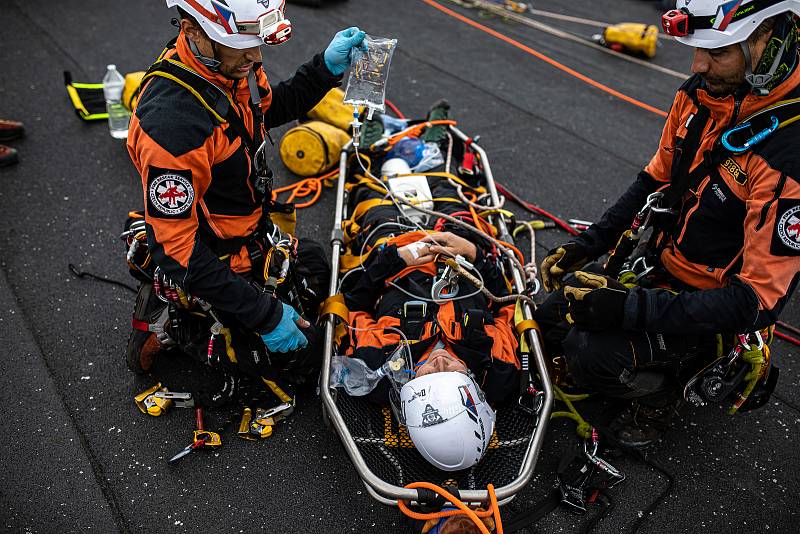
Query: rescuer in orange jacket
727, 259
199, 145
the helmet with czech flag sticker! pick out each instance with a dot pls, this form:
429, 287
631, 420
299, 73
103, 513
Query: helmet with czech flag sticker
239, 23
711, 24
718, 23
448, 419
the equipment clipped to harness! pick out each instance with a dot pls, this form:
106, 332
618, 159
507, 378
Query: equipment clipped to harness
754, 140
745, 377
631, 38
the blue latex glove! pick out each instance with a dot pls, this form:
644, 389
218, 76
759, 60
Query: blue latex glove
337, 55
286, 337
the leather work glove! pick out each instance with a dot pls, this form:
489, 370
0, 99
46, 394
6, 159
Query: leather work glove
598, 305
560, 261
337, 55
287, 337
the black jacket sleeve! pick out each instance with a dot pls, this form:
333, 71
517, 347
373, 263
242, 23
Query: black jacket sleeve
293, 98
208, 278
733, 308
604, 234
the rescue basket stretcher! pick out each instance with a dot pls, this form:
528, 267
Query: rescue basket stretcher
381, 452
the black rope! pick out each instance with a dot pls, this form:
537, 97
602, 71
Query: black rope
84, 274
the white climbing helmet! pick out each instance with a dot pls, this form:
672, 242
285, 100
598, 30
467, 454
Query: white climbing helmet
448, 419
240, 23
718, 23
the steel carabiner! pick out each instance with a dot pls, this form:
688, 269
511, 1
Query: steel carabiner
750, 143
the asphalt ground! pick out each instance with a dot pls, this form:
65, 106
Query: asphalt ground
77, 456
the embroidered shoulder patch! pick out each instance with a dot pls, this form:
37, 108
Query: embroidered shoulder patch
170, 193
735, 170
786, 238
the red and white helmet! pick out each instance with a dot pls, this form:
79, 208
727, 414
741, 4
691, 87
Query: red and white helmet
240, 23
448, 419
718, 23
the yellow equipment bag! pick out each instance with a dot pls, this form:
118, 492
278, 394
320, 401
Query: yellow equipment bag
332, 110
130, 93
633, 38
312, 148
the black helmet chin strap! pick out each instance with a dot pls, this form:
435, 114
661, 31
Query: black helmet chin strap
758, 82
211, 62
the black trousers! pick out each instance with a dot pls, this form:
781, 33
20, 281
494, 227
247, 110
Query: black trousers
618, 363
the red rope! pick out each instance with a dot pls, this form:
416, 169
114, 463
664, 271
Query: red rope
789, 339
395, 109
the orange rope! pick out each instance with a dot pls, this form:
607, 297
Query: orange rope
304, 188
475, 515
481, 223
514, 249
546, 59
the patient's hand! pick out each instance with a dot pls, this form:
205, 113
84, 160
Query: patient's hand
451, 245
417, 253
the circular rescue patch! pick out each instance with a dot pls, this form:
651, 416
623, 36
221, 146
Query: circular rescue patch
789, 228
171, 194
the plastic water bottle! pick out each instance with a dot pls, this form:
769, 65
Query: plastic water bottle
118, 116
357, 379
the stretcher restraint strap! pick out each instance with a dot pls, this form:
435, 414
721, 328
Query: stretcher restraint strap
525, 325
546, 59
335, 305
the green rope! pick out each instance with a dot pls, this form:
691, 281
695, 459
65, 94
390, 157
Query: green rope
583, 428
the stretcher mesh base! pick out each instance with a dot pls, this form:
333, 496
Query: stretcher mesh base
391, 456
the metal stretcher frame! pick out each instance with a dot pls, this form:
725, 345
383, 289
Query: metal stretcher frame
381, 490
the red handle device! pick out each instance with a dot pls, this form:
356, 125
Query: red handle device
198, 415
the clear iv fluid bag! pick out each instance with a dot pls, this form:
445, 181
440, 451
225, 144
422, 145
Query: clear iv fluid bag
369, 70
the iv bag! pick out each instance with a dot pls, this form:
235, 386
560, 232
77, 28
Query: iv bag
369, 70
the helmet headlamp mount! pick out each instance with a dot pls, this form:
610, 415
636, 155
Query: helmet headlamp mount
675, 22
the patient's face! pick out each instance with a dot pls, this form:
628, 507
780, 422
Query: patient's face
441, 361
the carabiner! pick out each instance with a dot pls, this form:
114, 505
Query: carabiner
747, 346
750, 143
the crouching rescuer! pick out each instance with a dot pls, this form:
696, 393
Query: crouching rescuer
690, 312
222, 276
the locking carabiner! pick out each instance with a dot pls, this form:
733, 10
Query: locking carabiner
750, 143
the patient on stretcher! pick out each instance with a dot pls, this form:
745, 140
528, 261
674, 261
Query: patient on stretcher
462, 346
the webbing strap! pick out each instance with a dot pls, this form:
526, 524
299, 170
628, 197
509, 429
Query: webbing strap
528, 324
685, 151
140, 325
214, 99
335, 305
